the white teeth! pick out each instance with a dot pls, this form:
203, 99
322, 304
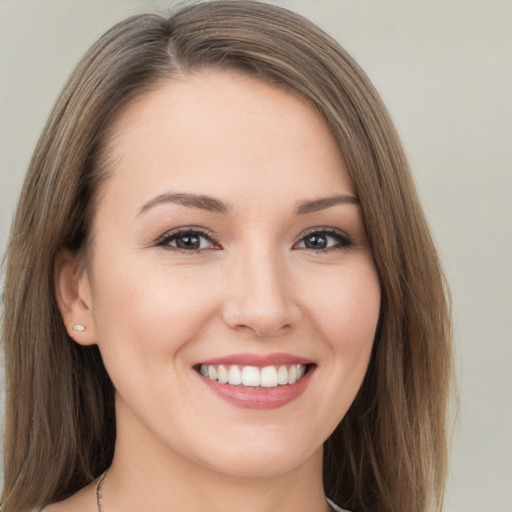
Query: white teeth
212, 372
268, 377
292, 375
253, 376
282, 375
223, 375
235, 376
250, 376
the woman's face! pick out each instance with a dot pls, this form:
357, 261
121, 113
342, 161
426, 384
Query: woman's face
231, 289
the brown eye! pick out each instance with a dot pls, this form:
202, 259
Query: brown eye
191, 241
315, 241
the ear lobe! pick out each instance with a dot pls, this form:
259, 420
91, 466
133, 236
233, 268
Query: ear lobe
73, 294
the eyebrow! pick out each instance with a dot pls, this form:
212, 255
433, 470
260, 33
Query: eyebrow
191, 200
211, 204
325, 202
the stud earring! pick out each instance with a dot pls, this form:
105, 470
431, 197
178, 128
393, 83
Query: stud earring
78, 328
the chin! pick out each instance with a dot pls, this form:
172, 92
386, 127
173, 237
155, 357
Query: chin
269, 459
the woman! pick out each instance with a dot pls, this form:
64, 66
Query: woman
221, 292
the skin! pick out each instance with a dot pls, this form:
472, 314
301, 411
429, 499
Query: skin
255, 287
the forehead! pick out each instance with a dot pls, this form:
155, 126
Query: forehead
212, 131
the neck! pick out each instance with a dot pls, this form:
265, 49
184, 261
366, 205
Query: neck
148, 476
129, 490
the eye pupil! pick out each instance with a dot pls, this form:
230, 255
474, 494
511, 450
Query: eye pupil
316, 242
188, 242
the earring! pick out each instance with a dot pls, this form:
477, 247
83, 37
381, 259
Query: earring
78, 328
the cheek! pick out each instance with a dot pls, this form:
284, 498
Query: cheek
347, 310
347, 315
152, 310
344, 307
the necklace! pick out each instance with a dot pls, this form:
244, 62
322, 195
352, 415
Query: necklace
98, 491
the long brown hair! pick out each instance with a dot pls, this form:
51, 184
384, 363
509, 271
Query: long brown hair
389, 452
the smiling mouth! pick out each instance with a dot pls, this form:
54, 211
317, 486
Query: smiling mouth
253, 376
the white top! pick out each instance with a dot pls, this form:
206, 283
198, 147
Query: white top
335, 507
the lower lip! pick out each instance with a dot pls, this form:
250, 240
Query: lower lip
258, 398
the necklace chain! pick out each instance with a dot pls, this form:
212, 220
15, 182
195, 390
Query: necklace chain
99, 499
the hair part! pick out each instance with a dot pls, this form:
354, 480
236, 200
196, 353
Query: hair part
389, 452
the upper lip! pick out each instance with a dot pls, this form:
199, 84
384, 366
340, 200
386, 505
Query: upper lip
259, 360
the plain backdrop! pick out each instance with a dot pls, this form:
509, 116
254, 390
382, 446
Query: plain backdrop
444, 68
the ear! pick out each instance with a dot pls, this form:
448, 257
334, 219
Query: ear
73, 294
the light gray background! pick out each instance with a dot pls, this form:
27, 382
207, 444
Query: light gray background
444, 68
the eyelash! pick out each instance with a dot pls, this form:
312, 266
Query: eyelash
343, 241
165, 240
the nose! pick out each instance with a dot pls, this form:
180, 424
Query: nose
260, 298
